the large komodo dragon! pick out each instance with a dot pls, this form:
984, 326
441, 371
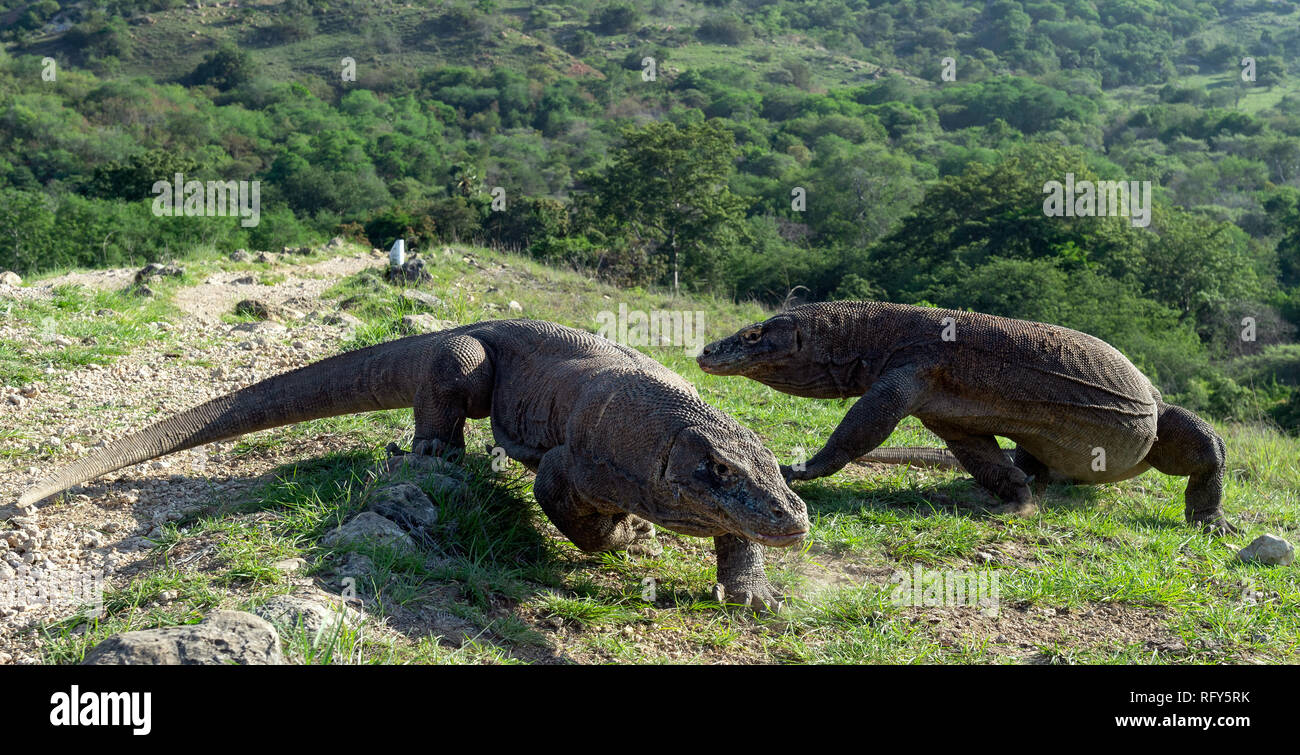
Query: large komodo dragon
1077, 409
618, 441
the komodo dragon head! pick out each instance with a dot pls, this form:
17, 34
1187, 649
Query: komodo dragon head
775, 352
723, 479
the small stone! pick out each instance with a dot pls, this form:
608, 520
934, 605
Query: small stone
341, 318
155, 271
16, 400
422, 298
10, 278
262, 327
253, 308
224, 637
1268, 549
290, 565
421, 465
320, 620
423, 324
406, 505
516, 306
239, 255
368, 526
355, 566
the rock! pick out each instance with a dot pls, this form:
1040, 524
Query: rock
290, 565
239, 255
422, 298
222, 638
247, 280
144, 292
516, 306
336, 243
368, 527
406, 505
263, 327
421, 465
170, 270
424, 324
253, 308
412, 271
355, 566
10, 278
265, 257
290, 613
1268, 549
16, 400
342, 318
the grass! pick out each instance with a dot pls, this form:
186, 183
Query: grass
99, 324
1105, 574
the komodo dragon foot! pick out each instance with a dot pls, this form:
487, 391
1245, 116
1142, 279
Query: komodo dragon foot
426, 447
741, 580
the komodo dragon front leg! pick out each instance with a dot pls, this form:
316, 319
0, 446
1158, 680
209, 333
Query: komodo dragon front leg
891, 398
586, 525
459, 387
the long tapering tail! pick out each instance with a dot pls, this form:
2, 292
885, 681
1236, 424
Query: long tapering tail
919, 456
384, 376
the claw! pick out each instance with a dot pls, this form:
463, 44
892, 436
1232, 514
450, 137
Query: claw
753, 601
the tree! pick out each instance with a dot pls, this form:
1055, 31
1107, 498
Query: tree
667, 187
225, 68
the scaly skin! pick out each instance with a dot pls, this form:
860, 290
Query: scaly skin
1065, 397
618, 441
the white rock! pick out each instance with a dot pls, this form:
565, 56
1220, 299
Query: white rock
1268, 549
10, 278
516, 306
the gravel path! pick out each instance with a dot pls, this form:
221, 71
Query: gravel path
64, 546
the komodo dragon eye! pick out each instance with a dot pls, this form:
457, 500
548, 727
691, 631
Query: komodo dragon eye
715, 473
751, 336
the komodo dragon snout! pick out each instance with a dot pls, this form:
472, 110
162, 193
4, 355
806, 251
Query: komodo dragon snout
730, 478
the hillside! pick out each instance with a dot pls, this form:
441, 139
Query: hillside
1102, 575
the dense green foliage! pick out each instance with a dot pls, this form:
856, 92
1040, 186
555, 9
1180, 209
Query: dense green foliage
778, 146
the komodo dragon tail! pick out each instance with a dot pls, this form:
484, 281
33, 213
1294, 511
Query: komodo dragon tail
377, 377
917, 456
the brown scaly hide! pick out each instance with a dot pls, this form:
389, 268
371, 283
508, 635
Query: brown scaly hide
1077, 409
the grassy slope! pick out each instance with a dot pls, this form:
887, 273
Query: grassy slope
1105, 574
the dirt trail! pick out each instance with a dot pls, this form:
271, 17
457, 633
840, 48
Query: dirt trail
103, 525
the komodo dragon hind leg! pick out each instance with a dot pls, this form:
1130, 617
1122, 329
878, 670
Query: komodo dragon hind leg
1187, 446
588, 528
989, 465
459, 385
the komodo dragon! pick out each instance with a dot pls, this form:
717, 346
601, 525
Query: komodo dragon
618, 441
1076, 408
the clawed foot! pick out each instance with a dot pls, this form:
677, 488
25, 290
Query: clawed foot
791, 474
644, 542
761, 598
1215, 525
